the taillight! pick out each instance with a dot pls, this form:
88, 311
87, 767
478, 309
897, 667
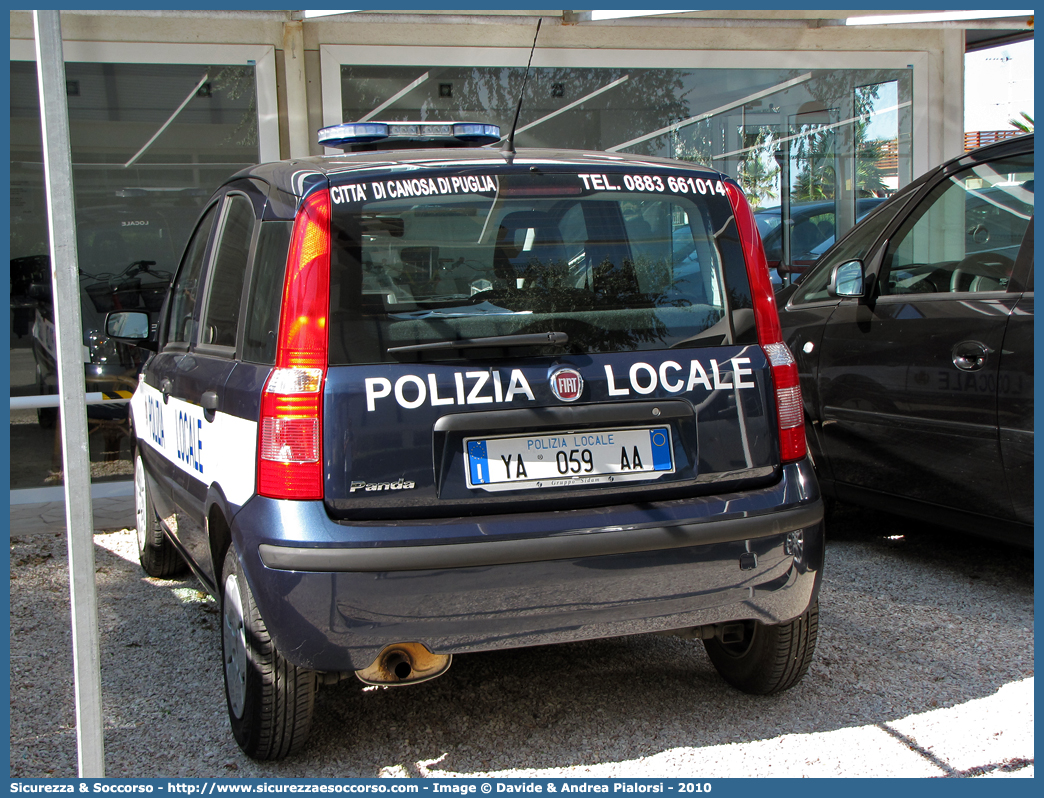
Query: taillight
290, 451
789, 409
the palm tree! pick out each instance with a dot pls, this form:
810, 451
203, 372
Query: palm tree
817, 178
870, 176
1025, 124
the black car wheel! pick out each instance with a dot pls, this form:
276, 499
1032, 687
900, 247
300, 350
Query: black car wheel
270, 701
764, 659
156, 553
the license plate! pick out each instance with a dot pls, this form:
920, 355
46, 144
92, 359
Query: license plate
568, 459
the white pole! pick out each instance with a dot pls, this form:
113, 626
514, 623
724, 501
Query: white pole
79, 516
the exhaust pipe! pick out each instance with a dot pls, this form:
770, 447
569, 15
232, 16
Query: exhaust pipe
404, 663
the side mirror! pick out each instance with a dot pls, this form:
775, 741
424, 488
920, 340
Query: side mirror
130, 325
847, 280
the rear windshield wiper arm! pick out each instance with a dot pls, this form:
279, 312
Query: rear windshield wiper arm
526, 339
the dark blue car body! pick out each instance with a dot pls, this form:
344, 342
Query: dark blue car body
397, 552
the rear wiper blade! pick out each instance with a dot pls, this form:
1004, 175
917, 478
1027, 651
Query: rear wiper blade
526, 339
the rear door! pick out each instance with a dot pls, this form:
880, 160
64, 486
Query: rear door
909, 380
155, 426
201, 373
504, 342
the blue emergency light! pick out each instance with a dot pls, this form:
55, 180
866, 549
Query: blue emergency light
356, 136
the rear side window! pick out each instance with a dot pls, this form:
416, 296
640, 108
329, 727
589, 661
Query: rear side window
266, 291
225, 291
181, 326
616, 262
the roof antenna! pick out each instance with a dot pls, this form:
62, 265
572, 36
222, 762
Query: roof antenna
508, 148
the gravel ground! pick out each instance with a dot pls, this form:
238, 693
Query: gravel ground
924, 668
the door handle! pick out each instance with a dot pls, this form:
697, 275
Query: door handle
209, 402
970, 355
165, 387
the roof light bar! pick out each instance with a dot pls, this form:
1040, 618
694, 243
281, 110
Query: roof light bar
352, 136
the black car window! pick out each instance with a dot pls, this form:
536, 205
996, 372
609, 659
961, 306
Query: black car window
965, 235
854, 246
266, 291
225, 289
181, 324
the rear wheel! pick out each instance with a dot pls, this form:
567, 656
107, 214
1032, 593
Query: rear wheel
764, 659
156, 553
270, 701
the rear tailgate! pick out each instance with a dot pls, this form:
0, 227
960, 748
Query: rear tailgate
399, 444
539, 341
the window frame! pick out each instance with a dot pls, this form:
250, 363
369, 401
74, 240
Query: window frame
923, 157
227, 201
261, 56
208, 251
914, 213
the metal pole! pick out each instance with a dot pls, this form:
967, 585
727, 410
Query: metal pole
79, 516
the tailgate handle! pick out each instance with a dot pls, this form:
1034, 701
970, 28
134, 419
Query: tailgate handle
565, 416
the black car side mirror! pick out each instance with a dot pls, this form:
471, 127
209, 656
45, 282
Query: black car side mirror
847, 280
130, 326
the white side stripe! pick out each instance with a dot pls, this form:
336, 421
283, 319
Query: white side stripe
222, 451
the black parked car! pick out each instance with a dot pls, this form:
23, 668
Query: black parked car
418, 403
914, 341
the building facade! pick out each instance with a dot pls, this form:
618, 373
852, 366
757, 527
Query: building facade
798, 106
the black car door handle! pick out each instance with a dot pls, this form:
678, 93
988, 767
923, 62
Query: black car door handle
970, 355
209, 402
165, 386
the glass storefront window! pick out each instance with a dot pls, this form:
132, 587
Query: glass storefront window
150, 143
727, 118
815, 149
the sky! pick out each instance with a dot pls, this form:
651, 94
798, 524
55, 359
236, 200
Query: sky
998, 84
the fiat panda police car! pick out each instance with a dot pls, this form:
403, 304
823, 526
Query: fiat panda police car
410, 403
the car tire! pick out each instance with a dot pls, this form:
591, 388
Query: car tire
270, 701
156, 553
767, 658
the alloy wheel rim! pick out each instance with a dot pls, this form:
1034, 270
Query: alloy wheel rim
141, 523
234, 638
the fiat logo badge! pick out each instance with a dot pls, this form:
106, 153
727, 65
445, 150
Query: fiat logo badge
567, 384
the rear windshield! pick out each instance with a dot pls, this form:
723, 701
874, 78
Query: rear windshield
428, 266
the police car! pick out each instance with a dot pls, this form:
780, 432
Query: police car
411, 403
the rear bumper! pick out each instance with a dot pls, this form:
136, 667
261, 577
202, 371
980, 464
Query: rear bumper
334, 597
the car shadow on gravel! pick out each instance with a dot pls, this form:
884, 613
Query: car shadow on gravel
912, 619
